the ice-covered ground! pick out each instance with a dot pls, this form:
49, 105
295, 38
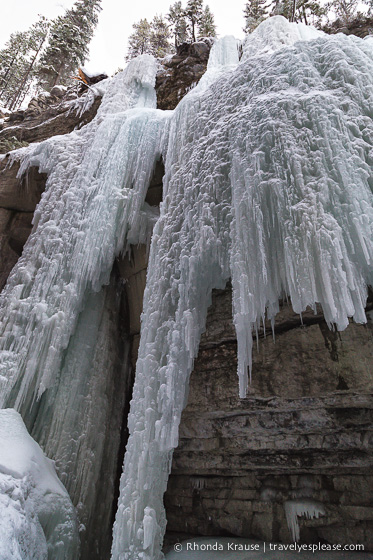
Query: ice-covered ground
268, 177
37, 518
221, 548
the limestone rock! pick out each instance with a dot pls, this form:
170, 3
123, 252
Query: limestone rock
47, 115
305, 430
181, 73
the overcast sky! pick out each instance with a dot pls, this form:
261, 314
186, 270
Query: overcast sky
115, 23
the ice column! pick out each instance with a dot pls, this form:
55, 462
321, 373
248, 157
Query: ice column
94, 200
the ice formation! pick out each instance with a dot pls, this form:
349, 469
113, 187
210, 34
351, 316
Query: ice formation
38, 520
54, 336
301, 508
93, 204
267, 181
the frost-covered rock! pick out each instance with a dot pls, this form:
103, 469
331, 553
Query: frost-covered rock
38, 520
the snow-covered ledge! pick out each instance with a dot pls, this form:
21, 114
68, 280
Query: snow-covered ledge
38, 520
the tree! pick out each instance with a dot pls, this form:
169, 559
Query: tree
159, 37
139, 40
310, 12
193, 13
176, 17
345, 10
70, 36
206, 25
306, 11
12, 63
151, 38
18, 61
37, 37
255, 12
286, 8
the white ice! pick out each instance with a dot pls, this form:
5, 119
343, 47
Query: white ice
301, 508
38, 520
53, 317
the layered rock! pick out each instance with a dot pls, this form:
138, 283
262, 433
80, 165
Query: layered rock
304, 432
46, 116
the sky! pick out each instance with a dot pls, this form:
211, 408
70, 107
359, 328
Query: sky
108, 46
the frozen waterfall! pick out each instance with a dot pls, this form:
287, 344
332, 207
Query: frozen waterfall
267, 181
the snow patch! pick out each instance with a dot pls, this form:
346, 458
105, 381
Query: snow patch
38, 520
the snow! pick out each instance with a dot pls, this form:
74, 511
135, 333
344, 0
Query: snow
91, 71
38, 520
267, 181
274, 34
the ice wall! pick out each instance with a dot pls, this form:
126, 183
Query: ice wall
268, 181
57, 361
38, 520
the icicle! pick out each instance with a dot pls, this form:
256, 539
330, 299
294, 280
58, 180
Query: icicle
301, 508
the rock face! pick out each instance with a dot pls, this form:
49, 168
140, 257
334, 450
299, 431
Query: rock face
18, 199
360, 26
46, 116
181, 73
304, 432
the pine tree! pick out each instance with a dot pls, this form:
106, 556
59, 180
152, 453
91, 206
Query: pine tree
176, 17
346, 10
310, 12
206, 25
254, 13
12, 64
70, 36
159, 37
193, 13
139, 40
18, 61
285, 8
37, 37
306, 11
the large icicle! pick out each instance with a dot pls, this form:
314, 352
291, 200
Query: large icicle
187, 258
268, 180
301, 508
